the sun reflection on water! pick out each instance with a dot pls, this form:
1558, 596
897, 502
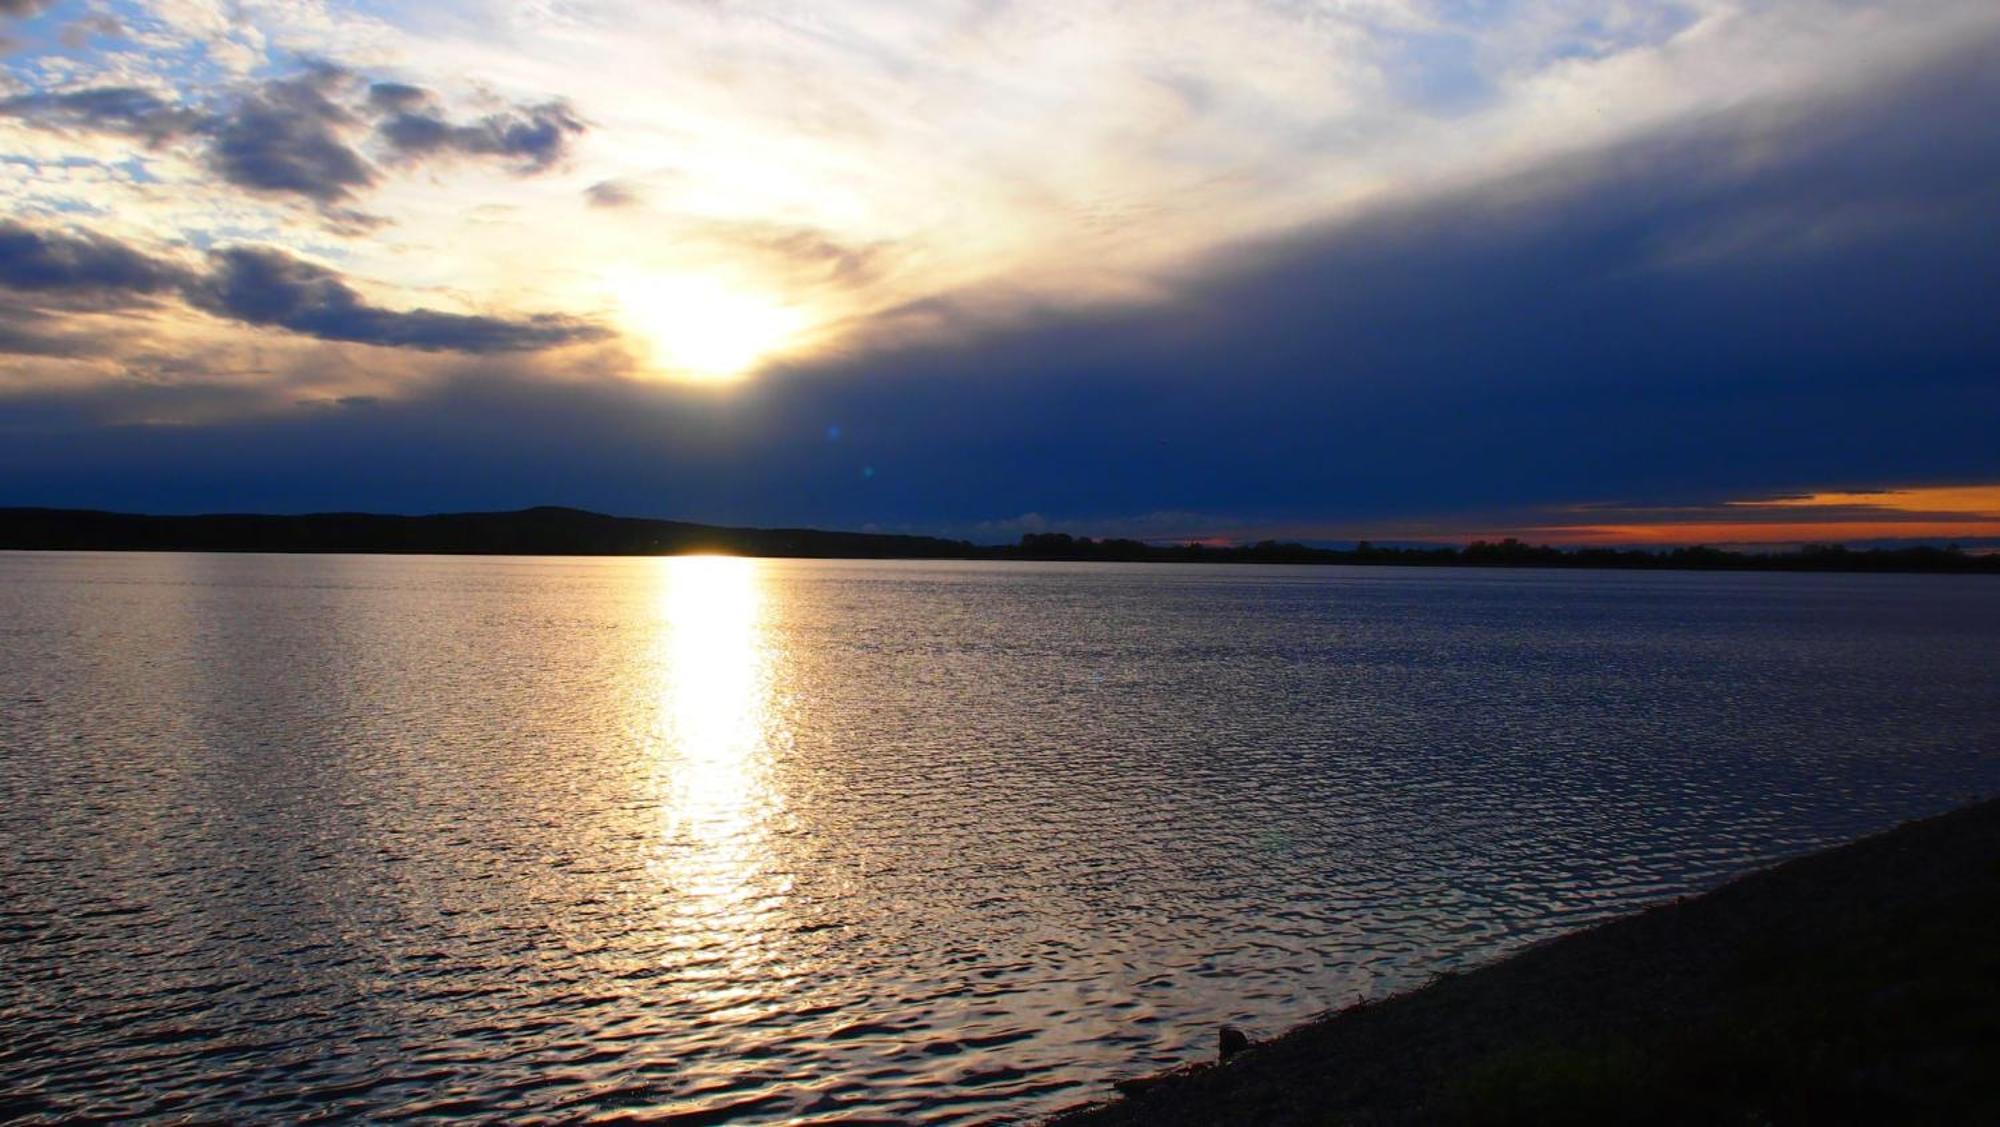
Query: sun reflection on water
713, 772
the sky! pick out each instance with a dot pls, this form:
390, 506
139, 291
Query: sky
1714, 271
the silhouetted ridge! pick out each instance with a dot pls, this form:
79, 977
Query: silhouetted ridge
546, 530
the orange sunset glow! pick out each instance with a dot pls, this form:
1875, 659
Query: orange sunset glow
1830, 516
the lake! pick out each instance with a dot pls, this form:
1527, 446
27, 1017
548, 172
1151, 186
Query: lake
720, 840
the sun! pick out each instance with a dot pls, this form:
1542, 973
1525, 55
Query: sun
704, 329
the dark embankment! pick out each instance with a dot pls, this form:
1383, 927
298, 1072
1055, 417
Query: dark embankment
1859, 985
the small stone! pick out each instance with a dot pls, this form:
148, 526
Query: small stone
1233, 1041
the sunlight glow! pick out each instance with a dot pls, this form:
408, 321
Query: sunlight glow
704, 329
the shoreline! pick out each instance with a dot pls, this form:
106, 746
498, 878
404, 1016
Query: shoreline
1000, 557
1860, 983
554, 531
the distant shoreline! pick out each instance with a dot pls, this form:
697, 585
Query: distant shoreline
1856, 984
573, 532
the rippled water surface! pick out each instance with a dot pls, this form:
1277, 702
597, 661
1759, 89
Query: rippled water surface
762, 841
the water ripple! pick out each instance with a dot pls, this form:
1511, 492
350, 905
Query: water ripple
685, 841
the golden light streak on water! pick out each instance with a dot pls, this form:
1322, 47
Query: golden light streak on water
713, 774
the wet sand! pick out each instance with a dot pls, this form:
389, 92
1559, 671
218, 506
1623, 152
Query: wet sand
1859, 984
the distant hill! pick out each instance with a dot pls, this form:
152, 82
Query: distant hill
546, 531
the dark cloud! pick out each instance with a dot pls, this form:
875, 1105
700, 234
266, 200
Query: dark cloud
294, 136
285, 137
529, 138
265, 286
51, 262
23, 9
126, 110
1793, 297
611, 193
255, 285
288, 136
48, 277
397, 97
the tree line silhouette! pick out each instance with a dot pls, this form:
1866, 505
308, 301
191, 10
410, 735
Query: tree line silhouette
1506, 553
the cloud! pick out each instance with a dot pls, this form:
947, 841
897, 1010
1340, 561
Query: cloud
266, 286
78, 33
125, 110
1528, 340
45, 262
287, 136
296, 136
24, 9
34, 332
529, 138
256, 286
1783, 298
807, 254
611, 193
1955, 512
397, 97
